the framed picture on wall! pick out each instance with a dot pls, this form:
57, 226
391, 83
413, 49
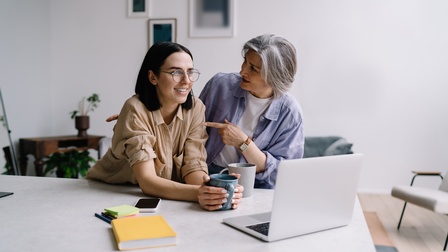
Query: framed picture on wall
211, 18
161, 30
138, 8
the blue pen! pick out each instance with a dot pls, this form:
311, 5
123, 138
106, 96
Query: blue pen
103, 218
110, 217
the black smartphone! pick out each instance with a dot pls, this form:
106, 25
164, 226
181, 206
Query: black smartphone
148, 205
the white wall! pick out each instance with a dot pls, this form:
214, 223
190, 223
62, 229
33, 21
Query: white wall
25, 67
371, 71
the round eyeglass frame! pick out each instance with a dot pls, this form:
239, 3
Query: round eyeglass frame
178, 75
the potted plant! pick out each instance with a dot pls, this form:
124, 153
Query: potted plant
82, 120
69, 164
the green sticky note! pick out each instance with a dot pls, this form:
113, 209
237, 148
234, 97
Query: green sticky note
122, 210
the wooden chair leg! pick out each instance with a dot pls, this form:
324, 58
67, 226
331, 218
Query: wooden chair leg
401, 217
446, 241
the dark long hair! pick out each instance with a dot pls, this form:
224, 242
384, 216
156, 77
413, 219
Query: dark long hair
154, 59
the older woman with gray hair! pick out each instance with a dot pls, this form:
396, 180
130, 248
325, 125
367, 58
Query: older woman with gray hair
250, 116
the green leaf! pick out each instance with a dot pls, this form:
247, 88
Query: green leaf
70, 163
93, 102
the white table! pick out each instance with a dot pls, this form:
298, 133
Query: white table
55, 214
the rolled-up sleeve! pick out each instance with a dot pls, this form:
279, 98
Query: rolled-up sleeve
139, 148
135, 138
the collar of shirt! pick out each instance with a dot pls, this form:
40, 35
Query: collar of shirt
159, 118
273, 111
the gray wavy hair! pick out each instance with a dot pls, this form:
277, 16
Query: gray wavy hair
279, 61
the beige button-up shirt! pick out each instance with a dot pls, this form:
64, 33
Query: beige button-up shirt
140, 135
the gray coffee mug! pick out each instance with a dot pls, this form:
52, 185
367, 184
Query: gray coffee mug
247, 176
227, 182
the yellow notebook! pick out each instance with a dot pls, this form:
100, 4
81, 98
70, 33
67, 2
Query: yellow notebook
143, 232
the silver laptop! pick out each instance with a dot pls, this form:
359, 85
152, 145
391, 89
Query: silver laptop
311, 195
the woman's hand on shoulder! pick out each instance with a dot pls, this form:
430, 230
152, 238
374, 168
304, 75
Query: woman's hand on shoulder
112, 118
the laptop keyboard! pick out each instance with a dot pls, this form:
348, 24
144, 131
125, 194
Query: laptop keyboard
262, 228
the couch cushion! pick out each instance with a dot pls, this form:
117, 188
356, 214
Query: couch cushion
317, 146
339, 147
432, 199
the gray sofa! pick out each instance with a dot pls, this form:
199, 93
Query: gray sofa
317, 146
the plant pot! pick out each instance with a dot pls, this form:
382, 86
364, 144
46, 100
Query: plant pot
82, 124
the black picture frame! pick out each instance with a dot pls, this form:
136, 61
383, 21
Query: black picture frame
163, 29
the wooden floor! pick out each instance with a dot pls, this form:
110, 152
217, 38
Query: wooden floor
421, 230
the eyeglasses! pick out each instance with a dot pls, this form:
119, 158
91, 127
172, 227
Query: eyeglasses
179, 75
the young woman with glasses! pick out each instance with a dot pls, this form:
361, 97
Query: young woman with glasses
159, 137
